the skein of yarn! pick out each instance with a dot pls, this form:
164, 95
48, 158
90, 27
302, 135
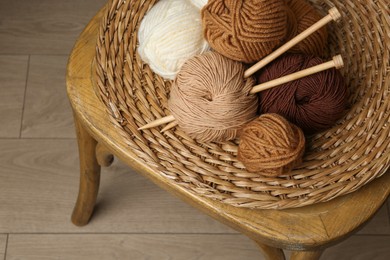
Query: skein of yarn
271, 146
210, 98
301, 15
244, 30
169, 34
313, 103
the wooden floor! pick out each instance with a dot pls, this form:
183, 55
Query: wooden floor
39, 166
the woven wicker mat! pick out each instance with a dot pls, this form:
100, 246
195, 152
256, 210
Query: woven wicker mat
337, 161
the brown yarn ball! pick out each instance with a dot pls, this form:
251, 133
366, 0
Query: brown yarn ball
313, 103
271, 145
301, 15
244, 30
210, 98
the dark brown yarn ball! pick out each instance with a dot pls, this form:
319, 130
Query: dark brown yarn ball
313, 103
245, 30
301, 15
271, 146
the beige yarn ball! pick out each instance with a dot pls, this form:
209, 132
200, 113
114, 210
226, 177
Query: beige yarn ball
169, 34
210, 98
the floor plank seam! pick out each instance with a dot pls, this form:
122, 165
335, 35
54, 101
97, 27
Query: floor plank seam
14, 54
158, 233
24, 96
37, 138
6, 247
122, 233
50, 55
35, 54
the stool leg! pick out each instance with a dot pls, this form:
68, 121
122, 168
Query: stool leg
306, 255
89, 176
103, 156
271, 253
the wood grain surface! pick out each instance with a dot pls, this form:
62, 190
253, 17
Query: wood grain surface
47, 110
172, 246
13, 73
43, 26
38, 188
139, 246
3, 244
360, 248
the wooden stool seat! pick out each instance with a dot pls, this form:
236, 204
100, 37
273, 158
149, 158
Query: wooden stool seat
306, 231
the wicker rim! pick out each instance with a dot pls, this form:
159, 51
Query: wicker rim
337, 161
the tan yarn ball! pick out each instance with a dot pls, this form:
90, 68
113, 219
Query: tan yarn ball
271, 146
245, 30
301, 15
210, 98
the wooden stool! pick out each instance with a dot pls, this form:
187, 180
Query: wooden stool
307, 231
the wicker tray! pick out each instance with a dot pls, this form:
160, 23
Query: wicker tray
337, 161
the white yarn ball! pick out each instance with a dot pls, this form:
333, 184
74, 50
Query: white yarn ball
199, 3
169, 34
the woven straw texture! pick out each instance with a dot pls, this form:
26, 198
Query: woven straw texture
337, 161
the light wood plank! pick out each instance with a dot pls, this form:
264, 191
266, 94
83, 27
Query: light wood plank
3, 245
47, 110
38, 189
43, 26
360, 248
13, 73
172, 246
152, 246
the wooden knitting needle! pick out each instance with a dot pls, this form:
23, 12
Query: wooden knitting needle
160, 121
333, 15
336, 62
169, 126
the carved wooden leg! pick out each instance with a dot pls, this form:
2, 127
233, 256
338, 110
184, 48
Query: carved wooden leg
271, 253
306, 255
89, 176
104, 157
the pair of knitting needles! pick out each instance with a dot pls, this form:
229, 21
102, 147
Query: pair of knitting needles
336, 62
